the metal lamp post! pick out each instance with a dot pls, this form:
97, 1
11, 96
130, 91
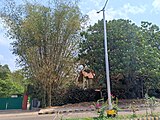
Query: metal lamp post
106, 58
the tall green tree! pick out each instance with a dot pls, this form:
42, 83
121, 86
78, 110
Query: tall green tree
4, 71
8, 88
149, 57
46, 40
133, 52
8, 85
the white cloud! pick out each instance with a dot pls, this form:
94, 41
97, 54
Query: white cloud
96, 2
1, 24
94, 17
133, 9
112, 13
1, 57
10, 61
4, 40
156, 5
87, 5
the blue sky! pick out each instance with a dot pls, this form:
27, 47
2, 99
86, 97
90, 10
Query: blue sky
137, 11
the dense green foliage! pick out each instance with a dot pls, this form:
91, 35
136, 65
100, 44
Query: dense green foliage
9, 84
133, 52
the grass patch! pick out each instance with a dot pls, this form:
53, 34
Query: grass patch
119, 117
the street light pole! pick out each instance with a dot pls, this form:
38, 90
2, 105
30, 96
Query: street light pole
106, 58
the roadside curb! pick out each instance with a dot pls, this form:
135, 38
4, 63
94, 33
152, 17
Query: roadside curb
54, 111
41, 112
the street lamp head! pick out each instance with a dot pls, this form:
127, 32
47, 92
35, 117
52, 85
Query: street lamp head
103, 7
100, 11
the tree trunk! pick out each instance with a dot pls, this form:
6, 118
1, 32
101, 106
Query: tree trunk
44, 89
44, 98
49, 95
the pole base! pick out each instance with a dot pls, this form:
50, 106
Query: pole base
111, 113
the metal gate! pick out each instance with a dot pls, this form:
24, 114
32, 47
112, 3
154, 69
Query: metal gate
11, 103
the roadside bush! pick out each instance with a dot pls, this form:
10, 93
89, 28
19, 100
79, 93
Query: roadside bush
76, 95
59, 97
73, 94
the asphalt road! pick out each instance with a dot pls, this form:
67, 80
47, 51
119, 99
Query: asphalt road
35, 116
30, 117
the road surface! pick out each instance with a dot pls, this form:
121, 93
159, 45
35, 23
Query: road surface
35, 116
31, 117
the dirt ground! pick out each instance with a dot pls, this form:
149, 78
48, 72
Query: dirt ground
122, 104
87, 109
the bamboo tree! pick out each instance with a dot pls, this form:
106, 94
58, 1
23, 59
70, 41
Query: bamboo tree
45, 40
